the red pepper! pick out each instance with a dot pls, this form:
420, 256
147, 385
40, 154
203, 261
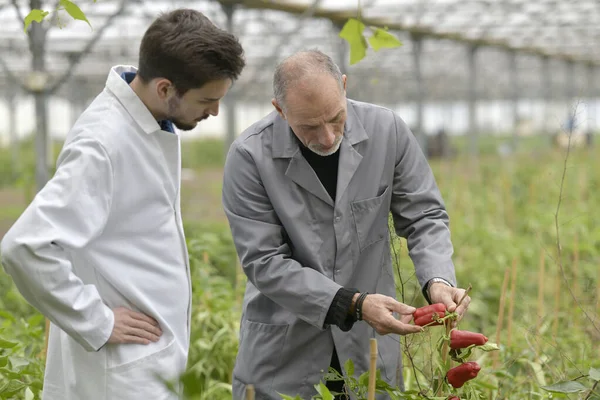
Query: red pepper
462, 339
424, 315
427, 319
428, 310
457, 376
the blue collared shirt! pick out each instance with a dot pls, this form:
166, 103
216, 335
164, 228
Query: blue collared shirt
165, 124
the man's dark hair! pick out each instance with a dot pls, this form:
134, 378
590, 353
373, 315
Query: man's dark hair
185, 47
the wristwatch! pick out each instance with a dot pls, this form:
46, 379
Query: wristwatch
436, 280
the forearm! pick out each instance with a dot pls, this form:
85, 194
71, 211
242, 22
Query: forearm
44, 279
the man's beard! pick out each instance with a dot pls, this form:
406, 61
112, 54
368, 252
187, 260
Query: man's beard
185, 126
174, 103
334, 148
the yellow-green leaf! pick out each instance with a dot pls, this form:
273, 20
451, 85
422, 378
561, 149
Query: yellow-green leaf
74, 11
352, 32
382, 38
34, 15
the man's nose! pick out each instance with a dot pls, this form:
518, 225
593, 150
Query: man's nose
214, 109
327, 138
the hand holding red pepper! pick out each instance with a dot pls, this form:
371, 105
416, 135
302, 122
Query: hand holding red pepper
378, 311
450, 296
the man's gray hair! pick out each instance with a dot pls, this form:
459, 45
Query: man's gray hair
299, 64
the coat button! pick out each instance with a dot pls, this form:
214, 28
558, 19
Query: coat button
337, 219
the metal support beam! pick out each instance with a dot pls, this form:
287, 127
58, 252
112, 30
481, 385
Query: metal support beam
13, 136
514, 79
417, 47
592, 96
547, 90
472, 82
342, 48
570, 88
231, 98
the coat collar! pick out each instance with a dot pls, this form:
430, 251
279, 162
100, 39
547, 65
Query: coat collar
130, 100
286, 146
300, 171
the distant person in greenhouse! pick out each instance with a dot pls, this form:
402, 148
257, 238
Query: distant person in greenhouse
307, 191
101, 250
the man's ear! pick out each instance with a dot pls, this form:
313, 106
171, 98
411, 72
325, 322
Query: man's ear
278, 108
164, 88
344, 79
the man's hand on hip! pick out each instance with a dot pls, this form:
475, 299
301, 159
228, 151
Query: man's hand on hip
134, 327
378, 312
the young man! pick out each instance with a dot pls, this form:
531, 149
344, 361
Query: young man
101, 250
307, 191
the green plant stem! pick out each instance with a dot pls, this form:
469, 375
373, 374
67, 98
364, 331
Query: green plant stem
592, 390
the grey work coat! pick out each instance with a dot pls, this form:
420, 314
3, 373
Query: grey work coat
298, 246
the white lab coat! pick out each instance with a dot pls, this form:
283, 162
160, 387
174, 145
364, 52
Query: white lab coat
105, 232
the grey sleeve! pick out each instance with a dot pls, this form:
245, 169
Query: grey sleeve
419, 212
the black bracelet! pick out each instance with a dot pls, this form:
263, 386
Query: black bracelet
358, 306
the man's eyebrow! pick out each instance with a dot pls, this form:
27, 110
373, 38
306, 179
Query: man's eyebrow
211, 99
337, 115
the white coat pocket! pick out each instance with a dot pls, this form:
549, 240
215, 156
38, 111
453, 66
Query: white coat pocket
143, 378
371, 218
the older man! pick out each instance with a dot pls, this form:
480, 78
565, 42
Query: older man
101, 250
307, 191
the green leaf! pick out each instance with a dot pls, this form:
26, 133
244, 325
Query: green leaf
489, 347
363, 379
13, 387
565, 387
74, 11
539, 372
6, 344
35, 320
382, 38
349, 367
18, 362
352, 32
595, 374
286, 397
34, 15
29, 394
324, 391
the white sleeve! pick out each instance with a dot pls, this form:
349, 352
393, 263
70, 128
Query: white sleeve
68, 213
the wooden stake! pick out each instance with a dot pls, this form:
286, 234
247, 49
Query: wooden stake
557, 296
576, 264
541, 273
532, 192
511, 305
205, 257
250, 392
373, 369
598, 294
46, 339
500, 315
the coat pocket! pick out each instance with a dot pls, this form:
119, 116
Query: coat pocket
371, 218
259, 354
146, 377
